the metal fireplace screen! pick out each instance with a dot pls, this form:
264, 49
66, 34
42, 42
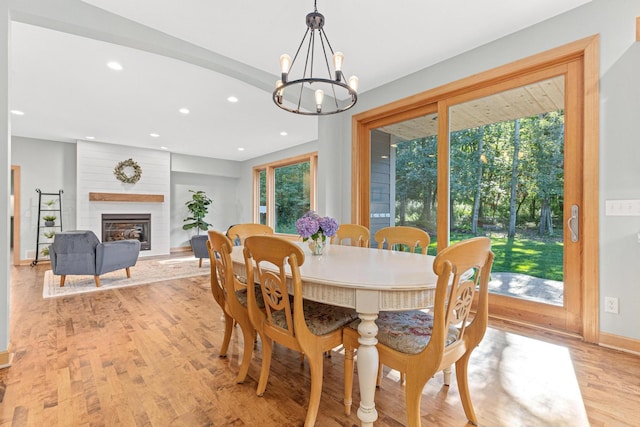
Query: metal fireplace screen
127, 226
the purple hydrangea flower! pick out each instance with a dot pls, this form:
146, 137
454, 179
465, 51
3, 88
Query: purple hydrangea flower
313, 226
329, 226
311, 214
307, 226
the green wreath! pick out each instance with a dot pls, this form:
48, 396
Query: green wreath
123, 171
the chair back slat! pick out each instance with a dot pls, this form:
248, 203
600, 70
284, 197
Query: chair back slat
396, 237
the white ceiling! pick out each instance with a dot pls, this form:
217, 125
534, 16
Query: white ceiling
61, 82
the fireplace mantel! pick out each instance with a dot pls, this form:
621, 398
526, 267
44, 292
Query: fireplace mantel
125, 197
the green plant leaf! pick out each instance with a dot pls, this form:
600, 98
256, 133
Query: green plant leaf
198, 208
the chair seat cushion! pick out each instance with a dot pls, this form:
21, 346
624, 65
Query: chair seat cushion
408, 332
321, 318
242, 295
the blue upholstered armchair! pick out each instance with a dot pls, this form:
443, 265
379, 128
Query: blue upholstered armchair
80, 252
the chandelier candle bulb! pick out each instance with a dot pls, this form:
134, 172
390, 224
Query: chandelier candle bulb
285, 64
338, 59
319, 98
353, 83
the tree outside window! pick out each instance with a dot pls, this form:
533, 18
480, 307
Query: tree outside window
284, 191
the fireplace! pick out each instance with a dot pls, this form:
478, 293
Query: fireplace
127, 226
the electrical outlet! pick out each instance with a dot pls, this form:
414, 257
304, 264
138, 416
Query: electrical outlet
611, 305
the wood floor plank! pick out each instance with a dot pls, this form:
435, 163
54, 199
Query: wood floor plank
149, 356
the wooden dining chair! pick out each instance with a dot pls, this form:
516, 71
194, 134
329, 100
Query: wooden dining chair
352, 234
231, 295
396, 238
421, 344
242, 231
305, 326
411, 237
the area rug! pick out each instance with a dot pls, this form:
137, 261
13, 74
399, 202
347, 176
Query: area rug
145, 271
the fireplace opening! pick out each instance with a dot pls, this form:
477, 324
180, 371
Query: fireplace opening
127, 226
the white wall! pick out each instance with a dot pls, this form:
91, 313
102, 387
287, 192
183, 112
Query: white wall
205, 166
223, 211
49, 166
94, 167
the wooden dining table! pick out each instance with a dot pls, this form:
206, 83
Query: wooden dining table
369, 281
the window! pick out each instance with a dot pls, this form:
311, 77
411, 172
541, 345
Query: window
284, 191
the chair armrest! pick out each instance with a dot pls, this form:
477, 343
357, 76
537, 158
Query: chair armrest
111, 256
52, 257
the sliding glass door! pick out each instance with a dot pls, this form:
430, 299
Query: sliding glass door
506, 158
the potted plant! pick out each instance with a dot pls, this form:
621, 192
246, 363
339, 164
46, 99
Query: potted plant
45, 251
50, 202
198, 207
49, 234
49, 220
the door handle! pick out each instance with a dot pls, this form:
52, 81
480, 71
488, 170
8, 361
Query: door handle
574, 224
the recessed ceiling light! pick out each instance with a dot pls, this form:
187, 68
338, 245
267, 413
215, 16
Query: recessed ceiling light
184, 110
283, 133
154, 135
90, 137
240, 149
384, 157
232, 99
114, 65
17, 112
164, 148
394, 145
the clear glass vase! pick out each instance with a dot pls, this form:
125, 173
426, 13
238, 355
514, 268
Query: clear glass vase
317, 247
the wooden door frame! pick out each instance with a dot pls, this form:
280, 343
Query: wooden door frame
585, 50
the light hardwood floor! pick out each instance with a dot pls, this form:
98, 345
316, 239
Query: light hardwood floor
148, 356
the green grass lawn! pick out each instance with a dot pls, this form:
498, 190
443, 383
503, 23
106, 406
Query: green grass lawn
538, 257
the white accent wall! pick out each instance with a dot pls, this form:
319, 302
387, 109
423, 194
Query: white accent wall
95, 165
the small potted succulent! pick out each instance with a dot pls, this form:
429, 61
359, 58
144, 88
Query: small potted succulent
49, 234
45, 251
49, 220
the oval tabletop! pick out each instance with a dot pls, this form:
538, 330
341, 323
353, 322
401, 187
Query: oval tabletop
343, 274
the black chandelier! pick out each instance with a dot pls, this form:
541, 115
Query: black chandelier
344, 94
